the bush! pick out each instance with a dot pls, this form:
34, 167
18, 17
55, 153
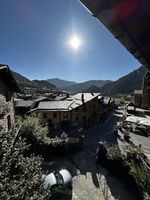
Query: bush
141, 175
31, 128
113, 153
41, 144
20, 175
130, 167
35, 135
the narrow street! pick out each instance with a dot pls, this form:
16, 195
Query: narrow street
103, 132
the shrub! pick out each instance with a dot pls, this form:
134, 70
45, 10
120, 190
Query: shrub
32, 128
20, 175
41, 144
130, 166
113, 153
141, 175
35, 135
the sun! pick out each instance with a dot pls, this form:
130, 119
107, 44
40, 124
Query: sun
75, 42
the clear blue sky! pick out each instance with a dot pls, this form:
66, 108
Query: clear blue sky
34, 37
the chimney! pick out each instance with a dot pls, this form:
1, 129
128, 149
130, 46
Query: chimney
82, 98
92, 93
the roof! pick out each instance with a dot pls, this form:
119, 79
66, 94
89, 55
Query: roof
86, 96
128, 21
23, 103
77, 99
43, 99
138, 91
131, 104
60, 97
106, 100
68, 104
8, 78
139, 120
54, 105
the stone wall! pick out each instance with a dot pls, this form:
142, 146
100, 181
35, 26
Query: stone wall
7, 117
146, 91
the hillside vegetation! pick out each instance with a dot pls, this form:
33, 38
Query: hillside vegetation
36, 86
125, 85
79, 87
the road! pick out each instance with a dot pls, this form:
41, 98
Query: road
91, 181
104, 133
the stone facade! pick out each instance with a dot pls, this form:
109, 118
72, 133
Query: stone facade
146, 91
138, 98
6, 106
84, 115
8, 86
142, 97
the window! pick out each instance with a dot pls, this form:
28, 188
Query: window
9, 122
55, 114
44, 115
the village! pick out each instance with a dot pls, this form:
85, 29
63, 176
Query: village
89, 117
75, 100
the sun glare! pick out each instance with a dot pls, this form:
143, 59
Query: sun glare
75, 42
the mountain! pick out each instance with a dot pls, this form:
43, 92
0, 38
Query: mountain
93, 88
125, 85
19, 77
28, 86
78, 87
60, 83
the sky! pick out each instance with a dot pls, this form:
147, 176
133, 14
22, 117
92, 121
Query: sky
35, 35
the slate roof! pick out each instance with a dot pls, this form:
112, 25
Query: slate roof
23, 103
42, 99
54, 105
139, 120
8, 78
138, 91
68, 104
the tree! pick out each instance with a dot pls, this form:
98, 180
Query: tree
20, 175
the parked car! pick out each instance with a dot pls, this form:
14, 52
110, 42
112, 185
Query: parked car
59, 182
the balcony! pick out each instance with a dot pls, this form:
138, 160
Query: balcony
4, 109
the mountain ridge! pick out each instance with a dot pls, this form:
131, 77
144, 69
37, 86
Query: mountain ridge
78, 87
60, 82
26, 84
124, 85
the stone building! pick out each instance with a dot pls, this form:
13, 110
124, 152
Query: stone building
80, 110
8, 86
142, 97
146, 91
138, 97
